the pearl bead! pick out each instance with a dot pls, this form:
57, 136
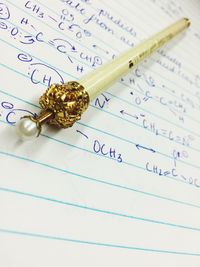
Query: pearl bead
27, 129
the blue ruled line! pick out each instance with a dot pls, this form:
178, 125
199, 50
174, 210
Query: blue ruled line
107, 212
99, 244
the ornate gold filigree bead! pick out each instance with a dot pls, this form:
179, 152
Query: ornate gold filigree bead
62, 105
66, 101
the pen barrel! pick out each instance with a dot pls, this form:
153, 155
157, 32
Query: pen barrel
100, 79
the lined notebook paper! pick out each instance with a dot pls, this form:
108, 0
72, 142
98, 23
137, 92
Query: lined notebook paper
122, 186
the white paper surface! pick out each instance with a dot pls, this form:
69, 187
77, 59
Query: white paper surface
122, 186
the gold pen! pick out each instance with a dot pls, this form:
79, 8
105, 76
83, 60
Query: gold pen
63, 104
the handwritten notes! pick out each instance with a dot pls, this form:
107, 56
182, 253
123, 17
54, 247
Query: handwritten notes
121, 187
